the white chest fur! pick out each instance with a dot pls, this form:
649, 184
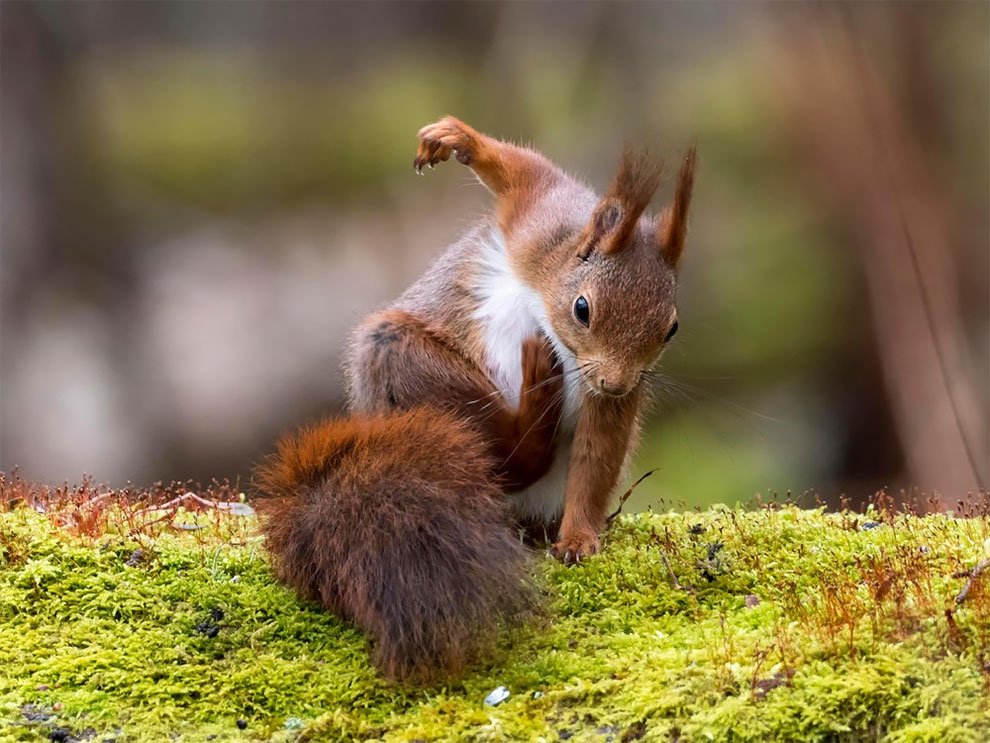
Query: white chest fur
505, 318
509, 312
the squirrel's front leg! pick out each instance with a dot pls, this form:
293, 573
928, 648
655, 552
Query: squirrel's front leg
601, 441
516, 175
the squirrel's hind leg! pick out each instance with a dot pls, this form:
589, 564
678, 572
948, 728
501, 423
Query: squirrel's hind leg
399, 363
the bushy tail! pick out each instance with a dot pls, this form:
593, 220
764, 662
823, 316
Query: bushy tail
394, 522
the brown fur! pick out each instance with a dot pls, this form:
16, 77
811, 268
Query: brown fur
395, 523
602, 441
395, 518
625, 270
403, 362
516, 175
630, 193
672, 233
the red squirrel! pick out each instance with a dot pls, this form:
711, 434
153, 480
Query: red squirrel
504, 387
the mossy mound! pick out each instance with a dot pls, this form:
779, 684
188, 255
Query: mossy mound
728, 624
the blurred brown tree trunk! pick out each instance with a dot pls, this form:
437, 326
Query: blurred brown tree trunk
868, 156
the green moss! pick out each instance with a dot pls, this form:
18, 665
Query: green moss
843, 635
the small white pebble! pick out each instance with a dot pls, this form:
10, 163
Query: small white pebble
537, 694
498, 696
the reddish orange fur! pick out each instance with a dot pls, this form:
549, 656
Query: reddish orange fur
603, 437
395, 523
408, 362
394, 518
627, 197
674, 220
516, 175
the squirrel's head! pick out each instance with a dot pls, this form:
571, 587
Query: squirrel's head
611, 299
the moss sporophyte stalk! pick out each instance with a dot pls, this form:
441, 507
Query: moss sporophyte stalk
771, 624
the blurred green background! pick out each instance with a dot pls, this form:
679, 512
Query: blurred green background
200, 199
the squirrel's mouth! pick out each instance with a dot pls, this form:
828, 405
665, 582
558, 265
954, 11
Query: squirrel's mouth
604, 389
615, 394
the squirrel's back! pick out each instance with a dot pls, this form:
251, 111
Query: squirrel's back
395, 522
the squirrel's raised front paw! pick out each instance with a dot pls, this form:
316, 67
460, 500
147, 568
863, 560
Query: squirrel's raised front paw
573, 548
438, 140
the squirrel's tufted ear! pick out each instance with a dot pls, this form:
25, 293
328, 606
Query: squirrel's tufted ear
626, 199
674, 220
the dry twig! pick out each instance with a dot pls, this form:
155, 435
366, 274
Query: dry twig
625, 496
972, 575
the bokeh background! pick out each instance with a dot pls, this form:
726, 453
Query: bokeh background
200, 199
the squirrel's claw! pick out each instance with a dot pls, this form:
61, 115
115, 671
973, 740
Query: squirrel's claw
571, 550
440, 140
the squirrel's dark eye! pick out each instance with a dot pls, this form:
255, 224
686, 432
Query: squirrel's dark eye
671, 332
581, 311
